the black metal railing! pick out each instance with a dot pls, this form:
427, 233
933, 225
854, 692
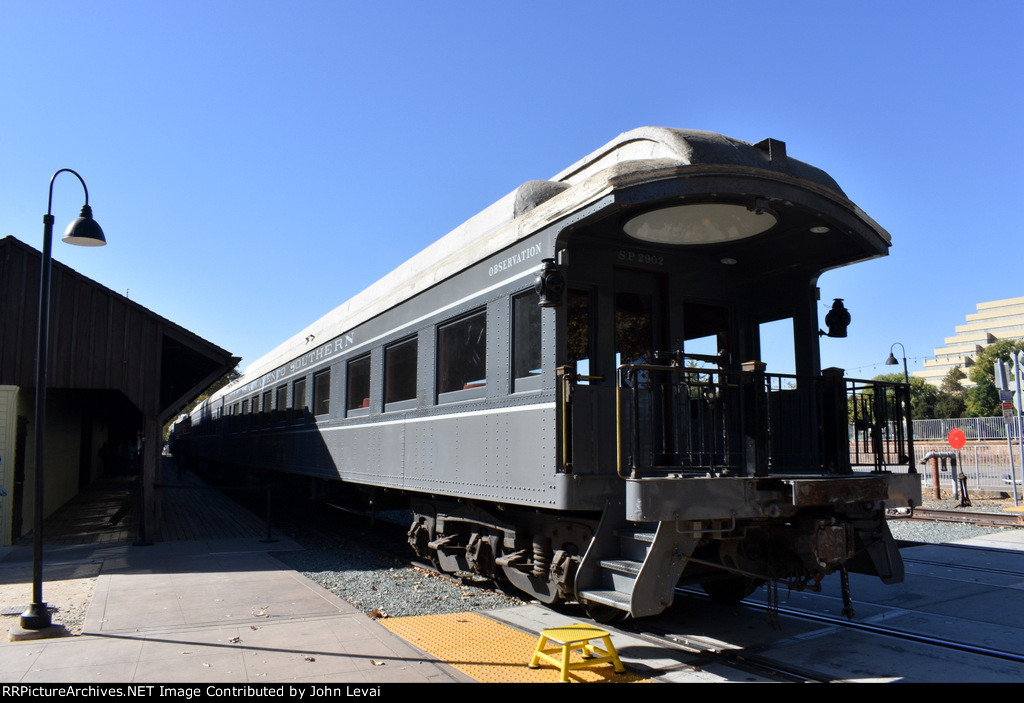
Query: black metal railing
681, 418
879, 424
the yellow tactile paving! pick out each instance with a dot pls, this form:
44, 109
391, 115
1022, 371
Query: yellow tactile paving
489, 651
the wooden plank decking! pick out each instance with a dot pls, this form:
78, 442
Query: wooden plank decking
107, 512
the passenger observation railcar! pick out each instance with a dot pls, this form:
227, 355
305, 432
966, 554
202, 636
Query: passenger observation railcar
569, 388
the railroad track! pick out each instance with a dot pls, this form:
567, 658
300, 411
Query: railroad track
764, 663
973, 518
711, 651
944, 642
980, 570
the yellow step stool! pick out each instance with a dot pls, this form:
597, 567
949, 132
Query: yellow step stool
575, 637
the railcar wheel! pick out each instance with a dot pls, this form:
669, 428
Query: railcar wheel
505, 586
604, 614
730, 590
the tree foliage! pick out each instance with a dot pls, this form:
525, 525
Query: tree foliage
951, 398
983, 398
229, 377
224, 380
923, 395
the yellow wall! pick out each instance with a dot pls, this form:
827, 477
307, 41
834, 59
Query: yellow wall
8, 430
61, 454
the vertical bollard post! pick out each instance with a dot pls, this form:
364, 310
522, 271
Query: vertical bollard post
269, 538
143, 540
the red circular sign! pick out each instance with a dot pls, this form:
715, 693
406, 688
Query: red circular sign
956, 439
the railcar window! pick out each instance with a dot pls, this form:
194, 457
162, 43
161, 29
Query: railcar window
267, 402
255, 407
322, 392
705, 331
462, 354
579, 351
281, 402
299, 394
633, 328
525, 336
778, 349
358, 395
400, 372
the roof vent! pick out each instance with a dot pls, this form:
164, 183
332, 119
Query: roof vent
774, 150
533, 193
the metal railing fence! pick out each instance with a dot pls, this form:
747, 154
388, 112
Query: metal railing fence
986, 466
980, 428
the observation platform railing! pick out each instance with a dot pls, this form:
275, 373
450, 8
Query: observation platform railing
677, 417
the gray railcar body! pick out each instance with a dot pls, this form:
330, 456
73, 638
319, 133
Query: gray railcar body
531, 438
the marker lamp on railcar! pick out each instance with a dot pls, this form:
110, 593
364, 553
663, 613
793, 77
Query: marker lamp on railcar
837, 320
700, 223
550, 285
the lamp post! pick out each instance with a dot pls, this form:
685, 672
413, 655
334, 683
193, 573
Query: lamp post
891, 361
84, 231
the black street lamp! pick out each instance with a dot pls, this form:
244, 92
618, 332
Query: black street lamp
83, 232
891, 361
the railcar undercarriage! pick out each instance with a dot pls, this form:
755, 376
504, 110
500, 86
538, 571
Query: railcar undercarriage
534, 552
618, 568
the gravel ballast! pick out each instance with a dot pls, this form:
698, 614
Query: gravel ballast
940, 532
380, 588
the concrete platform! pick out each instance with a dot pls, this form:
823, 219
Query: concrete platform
214, 612
226, 611
205, 602
212, 605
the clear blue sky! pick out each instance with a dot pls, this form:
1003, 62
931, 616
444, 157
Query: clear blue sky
254, 164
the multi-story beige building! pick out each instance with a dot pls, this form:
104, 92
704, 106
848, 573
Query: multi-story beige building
999, 319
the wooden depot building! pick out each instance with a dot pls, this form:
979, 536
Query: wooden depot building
117, 374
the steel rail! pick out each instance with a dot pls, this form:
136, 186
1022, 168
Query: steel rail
974, 518
889, 632
712, 650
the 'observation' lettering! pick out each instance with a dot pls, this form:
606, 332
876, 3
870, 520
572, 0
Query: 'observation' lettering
525, 254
